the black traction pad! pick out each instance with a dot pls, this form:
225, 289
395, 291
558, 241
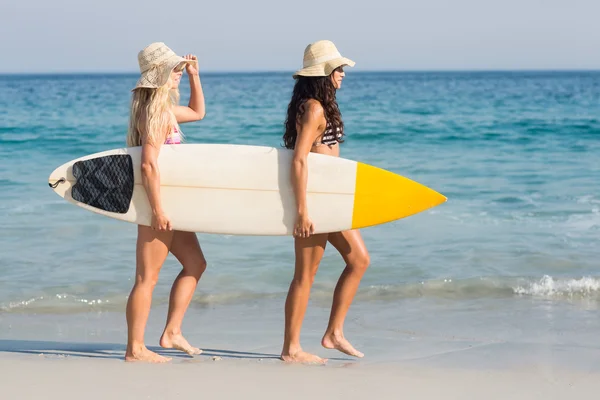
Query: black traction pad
104, 182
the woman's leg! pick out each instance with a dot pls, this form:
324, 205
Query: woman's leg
186, 249
309, 252
352, 248
151, 251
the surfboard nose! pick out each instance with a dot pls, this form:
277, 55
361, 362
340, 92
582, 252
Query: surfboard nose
382, 196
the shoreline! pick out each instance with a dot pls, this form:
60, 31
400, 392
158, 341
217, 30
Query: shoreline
443, 335
418, 356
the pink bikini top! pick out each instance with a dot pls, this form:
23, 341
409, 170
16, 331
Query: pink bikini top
174, 137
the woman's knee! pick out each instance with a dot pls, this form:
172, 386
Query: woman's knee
195, 267
304, 279
305, 276
361, 262
147, 280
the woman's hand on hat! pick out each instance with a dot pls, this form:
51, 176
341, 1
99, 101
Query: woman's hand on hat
191, 68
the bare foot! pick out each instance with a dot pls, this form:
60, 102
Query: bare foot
177, 341
339, 342
303, 357
145, 355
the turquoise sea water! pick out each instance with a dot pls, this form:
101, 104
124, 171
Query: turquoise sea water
516, 153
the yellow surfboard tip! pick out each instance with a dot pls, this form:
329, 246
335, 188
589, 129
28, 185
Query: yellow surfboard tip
381, 196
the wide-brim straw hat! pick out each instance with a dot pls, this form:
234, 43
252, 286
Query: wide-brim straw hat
321, 58
157, 61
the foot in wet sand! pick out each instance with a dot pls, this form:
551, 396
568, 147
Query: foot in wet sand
302, 357
339, 342
178, 342
145, 355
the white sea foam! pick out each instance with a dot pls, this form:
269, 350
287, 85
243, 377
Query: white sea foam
550, 287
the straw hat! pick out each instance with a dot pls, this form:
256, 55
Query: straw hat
321, 58
157, 61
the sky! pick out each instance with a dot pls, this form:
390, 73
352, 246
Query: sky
57, 36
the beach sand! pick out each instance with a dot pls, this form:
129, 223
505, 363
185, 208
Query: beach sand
80, 356
95, 377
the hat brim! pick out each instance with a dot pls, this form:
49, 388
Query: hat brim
159, 75
325, 68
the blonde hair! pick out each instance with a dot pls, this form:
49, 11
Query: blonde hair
151, 114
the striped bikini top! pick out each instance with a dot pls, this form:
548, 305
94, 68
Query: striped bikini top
329, 138
174, 137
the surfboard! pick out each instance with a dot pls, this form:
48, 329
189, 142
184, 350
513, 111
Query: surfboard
240, 189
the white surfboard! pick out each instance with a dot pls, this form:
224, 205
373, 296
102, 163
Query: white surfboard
239, 189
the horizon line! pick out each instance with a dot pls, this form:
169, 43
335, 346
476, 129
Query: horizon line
266, 71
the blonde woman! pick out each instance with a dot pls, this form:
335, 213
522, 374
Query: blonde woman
154, 120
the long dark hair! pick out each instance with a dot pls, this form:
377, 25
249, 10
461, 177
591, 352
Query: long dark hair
318, 88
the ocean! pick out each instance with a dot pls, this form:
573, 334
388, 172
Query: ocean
511, 259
